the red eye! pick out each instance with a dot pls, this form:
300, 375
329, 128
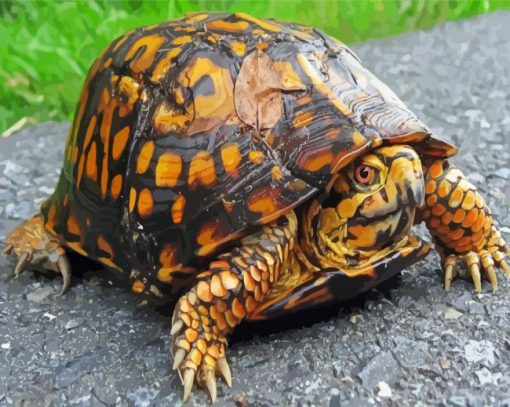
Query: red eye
364, 174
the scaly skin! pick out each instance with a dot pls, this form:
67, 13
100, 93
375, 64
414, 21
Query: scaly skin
32, 244
225, 294
462, 226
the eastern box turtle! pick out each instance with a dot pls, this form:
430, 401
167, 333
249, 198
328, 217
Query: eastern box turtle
250, 168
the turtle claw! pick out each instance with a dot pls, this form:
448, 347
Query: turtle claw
64, 268
7, 250
22, 263
490, 271
33, 245
449, 271
476, 277
505, 267
176, 327
210, 383
475, 263
178, 358
224, 370
187, 380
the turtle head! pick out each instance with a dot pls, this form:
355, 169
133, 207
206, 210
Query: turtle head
371, 206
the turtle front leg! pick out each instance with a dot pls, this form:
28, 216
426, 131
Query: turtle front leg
32, 244
224, 295
462, 226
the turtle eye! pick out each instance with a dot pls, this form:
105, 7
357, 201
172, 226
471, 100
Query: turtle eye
364, 174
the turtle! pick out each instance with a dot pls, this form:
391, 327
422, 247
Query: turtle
246, 168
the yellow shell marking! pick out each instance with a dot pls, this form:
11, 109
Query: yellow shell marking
91, 168
164, 65
116, 186
238, 48
223, 25
129, 89
231, 157
168, 119
182, 40
178, 209
151, 45
201, 171
119, 142
264, 24
144, 157
168, 169
218, 105
145, 203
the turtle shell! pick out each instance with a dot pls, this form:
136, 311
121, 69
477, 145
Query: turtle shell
190, 132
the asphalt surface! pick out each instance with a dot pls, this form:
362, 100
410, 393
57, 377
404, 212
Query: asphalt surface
407, 343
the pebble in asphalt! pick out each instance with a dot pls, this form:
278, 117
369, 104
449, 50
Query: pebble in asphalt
407, 343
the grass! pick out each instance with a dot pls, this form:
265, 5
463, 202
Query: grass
47, 47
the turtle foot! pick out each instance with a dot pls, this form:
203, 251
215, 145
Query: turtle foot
199, 354
31, 243
488, 262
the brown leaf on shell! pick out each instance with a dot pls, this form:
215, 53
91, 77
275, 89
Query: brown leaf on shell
258, 92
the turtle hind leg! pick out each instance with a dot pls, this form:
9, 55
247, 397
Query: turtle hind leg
32, 244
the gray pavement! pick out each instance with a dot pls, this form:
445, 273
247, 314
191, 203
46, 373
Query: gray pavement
407, 343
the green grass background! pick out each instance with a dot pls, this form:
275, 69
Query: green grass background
46, 47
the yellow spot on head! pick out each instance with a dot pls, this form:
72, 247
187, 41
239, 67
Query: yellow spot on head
347, 208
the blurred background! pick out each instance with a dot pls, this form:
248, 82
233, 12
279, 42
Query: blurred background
46, 47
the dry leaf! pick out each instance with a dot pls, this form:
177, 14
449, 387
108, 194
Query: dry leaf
258, 92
